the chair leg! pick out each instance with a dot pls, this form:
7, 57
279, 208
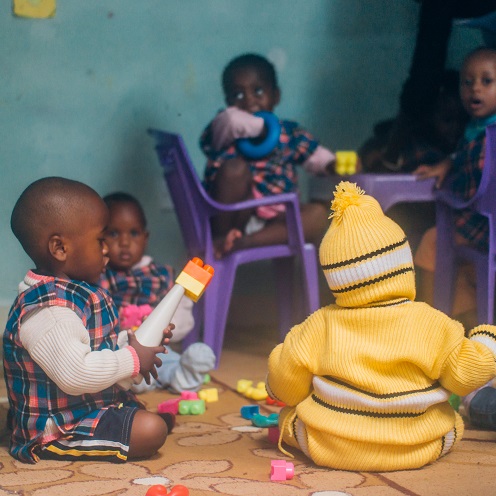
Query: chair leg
216, 308
445, 272
483, 294
311, 276
284, 275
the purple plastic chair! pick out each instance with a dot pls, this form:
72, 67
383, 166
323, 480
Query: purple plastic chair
195, 208
448, 254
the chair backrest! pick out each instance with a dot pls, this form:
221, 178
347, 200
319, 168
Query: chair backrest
186, 191
486, 193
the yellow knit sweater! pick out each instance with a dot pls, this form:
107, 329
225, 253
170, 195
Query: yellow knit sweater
368, 388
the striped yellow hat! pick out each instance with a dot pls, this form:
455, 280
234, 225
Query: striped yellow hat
365, 255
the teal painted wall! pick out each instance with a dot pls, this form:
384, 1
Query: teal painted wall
78, 91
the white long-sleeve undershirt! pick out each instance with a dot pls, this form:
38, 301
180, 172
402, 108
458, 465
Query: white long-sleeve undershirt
59, 343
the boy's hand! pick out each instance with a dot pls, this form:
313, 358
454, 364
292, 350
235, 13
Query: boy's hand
233, 123
439, 171
147, 355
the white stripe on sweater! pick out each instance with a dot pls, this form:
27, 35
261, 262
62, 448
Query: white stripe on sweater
340, 396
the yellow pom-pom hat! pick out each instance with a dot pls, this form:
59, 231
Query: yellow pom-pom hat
365, 255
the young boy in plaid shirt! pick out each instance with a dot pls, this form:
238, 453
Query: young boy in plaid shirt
61, 359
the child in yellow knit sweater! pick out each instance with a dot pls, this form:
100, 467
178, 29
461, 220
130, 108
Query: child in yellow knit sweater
367, 379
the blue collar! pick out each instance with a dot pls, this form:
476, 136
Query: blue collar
478, 126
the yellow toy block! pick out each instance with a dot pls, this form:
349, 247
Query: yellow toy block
243, 385
194, 278
346, 163
209, 395
256, 393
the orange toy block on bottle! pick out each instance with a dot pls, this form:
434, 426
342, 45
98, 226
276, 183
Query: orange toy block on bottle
194, 278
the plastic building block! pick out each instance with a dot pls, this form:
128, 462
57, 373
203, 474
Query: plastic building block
263, 421
169, 406
157, 490
281, 470
273, 435
179, 491
131, 316
346, 163
248, 411
194, 278
206, 379
246, 388
242, 385
191, 407
189, 395
455, 401
256, 393
271, 401
209, 395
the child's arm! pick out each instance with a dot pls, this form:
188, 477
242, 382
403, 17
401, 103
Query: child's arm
233, 123
471, 364
321, 162
439, 171
58, 342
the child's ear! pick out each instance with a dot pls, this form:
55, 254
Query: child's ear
57, 247
147, 235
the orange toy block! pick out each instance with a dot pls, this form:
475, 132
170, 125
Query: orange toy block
194, 278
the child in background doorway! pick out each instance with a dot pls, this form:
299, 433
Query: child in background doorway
61, 359
367, 380
133, 278
478, 94
250, 85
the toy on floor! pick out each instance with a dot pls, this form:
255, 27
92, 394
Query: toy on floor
209, 395
263, 421
191, 407
281, 470
273, 402
191, 282
172, 405
159, 490
246, 388
248, 411
251, 148
346, 163
273, 435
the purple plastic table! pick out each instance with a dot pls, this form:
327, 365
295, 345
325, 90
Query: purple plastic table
387, 189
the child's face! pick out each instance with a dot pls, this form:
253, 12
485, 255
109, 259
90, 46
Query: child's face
126, 236
86, 248
478, 85
250, 92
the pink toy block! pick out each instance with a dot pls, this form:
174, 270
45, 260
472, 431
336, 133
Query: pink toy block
281, 470
131, 316
189, 395
169, 406
273, 435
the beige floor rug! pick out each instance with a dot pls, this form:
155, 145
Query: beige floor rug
221, 453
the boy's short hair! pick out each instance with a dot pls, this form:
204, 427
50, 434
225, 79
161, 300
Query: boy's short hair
258, 62
44, 206
121, 197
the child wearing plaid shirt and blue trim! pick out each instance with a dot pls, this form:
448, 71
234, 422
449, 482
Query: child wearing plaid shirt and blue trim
464, 167
250, 85
62, 362
133, 278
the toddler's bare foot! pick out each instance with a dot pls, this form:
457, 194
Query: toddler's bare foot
225, 245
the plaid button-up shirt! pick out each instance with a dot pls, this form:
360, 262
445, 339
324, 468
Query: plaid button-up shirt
33, 396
